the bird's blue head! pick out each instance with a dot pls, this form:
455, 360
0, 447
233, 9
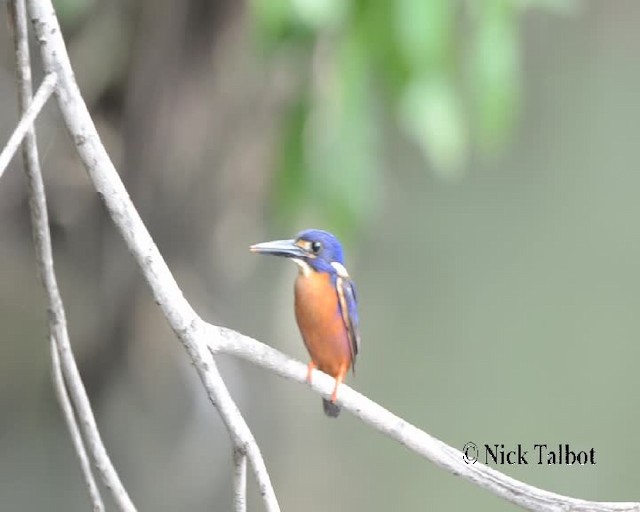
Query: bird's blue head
312, 249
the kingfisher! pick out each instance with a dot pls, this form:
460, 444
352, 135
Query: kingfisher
325, 304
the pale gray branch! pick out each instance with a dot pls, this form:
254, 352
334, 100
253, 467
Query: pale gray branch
239, 481
44, 259
223, 340
26, 121
72, 425
167, 294
201, 340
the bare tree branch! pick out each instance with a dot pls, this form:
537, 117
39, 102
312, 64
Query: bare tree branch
72, 425
26, 121
240, 481
223, 340
57, 321
198, 336
104, 176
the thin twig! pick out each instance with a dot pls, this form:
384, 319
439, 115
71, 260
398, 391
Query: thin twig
26, 121
72, 425
44, 259
167, 294
239, 481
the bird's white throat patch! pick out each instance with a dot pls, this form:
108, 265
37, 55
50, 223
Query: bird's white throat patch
305, 268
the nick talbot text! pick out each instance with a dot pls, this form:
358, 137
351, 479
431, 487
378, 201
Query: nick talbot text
557, 454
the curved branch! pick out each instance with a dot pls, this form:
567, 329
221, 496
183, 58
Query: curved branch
167, 294
239, 481
72, 426
227, 341
197, 336
62, 359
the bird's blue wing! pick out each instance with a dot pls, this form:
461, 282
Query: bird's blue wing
349, 309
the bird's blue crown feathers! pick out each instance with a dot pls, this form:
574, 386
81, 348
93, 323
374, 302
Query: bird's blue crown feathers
330, 250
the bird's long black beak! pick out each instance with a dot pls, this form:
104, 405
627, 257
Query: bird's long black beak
286, 248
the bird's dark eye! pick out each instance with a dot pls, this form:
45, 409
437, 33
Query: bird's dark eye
316, 247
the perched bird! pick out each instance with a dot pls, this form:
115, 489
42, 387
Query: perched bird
325, 304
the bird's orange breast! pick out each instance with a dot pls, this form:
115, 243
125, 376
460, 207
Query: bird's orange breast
321, 323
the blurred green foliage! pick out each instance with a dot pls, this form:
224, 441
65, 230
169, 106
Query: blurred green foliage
447, 70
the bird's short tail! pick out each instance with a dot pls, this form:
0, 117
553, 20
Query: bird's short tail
330, 409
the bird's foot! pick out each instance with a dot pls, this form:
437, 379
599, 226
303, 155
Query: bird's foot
339, 380
310, 367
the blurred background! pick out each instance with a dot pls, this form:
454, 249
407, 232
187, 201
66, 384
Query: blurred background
478, 159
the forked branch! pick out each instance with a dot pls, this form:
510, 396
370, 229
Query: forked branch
26, 121
167, 294
203, 340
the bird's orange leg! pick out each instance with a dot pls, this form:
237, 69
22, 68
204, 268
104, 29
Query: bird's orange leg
310, 367
339, 380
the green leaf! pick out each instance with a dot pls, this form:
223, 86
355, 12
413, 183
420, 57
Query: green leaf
385, 55
341, 146
290, 186
320, 14
431, 114
271, 16
277, 22
424, 30
495, 72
